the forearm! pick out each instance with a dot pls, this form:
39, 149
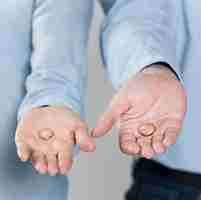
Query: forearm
58, 63
139, 33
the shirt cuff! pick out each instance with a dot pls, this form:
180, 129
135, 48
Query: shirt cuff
134, 66
126, 51
50, 98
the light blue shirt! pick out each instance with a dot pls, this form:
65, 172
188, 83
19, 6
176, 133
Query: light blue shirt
135, 33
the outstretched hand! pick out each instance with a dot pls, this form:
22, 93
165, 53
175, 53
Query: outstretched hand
47, 136
150, 109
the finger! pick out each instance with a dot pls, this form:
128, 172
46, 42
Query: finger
157, 142
129, 126
65, 162
65, 158
146, 149
52, 164
85, 143
171, 129
128, 144
39, 162
110, 117
170, 137
104, 124
23, 151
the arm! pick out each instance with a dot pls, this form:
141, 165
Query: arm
58, 63
151, 105
138, 33
47, 135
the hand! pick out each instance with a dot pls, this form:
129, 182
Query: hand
150, 109
48, 135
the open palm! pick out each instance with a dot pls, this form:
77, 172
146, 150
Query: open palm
150, 109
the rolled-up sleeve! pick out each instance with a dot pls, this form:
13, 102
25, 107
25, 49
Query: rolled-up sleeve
138, 33
60, 30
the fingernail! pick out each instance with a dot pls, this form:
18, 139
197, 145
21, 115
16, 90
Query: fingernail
42, 172
52, 173
63, 172
43, 169
37, 166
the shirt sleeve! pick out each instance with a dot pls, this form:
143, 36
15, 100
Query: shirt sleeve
138, 33
60, 30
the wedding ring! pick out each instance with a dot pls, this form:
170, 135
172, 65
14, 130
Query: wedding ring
45, 134
147, 129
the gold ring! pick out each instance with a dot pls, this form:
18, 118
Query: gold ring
147, 130
45, 134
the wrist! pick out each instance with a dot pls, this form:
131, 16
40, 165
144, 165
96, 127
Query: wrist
161, 69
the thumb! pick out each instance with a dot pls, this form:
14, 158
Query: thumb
23, 151
85, 143
109, 118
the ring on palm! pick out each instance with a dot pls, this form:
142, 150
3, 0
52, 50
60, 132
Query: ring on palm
147, 129
45, 134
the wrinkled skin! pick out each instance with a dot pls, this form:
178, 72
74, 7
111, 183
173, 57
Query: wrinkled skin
150, 109
47, 136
